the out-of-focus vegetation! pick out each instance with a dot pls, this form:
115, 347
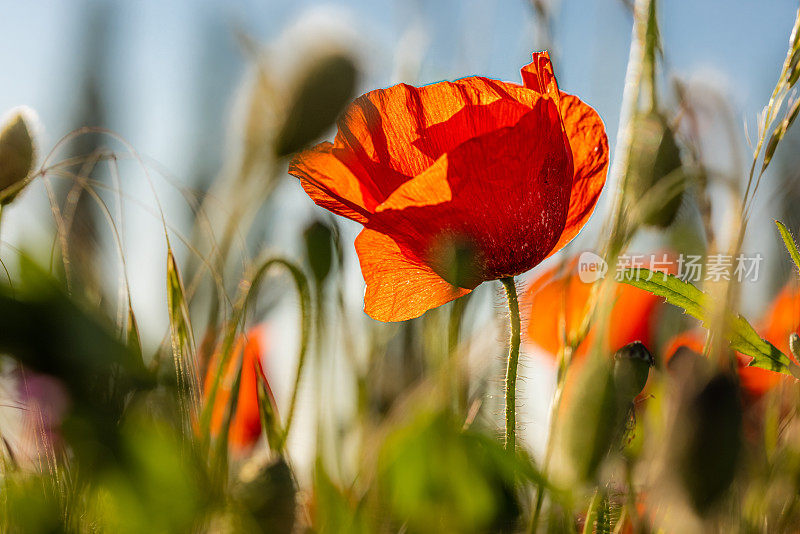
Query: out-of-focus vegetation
670, 434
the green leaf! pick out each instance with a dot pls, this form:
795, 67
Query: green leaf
182, 339
791, 244
268, 412
742, 336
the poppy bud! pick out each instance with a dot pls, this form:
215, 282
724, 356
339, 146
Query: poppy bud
632, 365
318, 238
324, 90
709, 441
592, 419
794, 344
687, 368
457, 260
654, 157
269, 493
17, 154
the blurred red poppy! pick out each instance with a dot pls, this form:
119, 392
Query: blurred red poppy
245, 427
781, 319
501, 173
557, 303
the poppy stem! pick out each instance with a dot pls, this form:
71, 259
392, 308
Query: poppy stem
513, 361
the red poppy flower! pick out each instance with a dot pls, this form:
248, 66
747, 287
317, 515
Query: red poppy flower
782, 319
245, 427
559, 302
511, 172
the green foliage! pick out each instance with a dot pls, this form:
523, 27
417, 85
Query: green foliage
337, 512
31, 505
436, 477
741, 335
49, 333
159, 487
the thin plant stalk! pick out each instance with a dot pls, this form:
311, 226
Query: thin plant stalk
512, 363
588, 525
459, 381
564, 360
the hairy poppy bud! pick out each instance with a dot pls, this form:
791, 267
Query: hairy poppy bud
17, 154
632, 365
708, 442
457, 260
592, 419
269, 493
318, 238
794, 344
322, 93
654, 159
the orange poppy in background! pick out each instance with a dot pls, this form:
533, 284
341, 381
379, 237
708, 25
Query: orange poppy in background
780, 321
558, 302
245, 427
510, 173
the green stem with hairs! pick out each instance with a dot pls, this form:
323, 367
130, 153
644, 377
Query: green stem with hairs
591, 513
513, 361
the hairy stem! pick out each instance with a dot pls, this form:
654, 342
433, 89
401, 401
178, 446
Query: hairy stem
513, 361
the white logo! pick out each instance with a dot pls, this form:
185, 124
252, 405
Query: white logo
591, 267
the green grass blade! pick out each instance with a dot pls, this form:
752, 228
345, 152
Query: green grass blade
182, 340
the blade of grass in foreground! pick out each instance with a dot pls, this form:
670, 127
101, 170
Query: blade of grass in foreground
182, 340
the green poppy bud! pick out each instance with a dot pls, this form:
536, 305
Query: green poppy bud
794, 344
269, 494
323, 92
318, 238
708, 441
632, 365
654, 161
592, 419
457, 259
17, 154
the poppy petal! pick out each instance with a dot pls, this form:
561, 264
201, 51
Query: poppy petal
589, 145
538, 75
506, 191
245, 427
331, 182
399, 287
387, 136
469, 122
383, 127
556, 303
782, 319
